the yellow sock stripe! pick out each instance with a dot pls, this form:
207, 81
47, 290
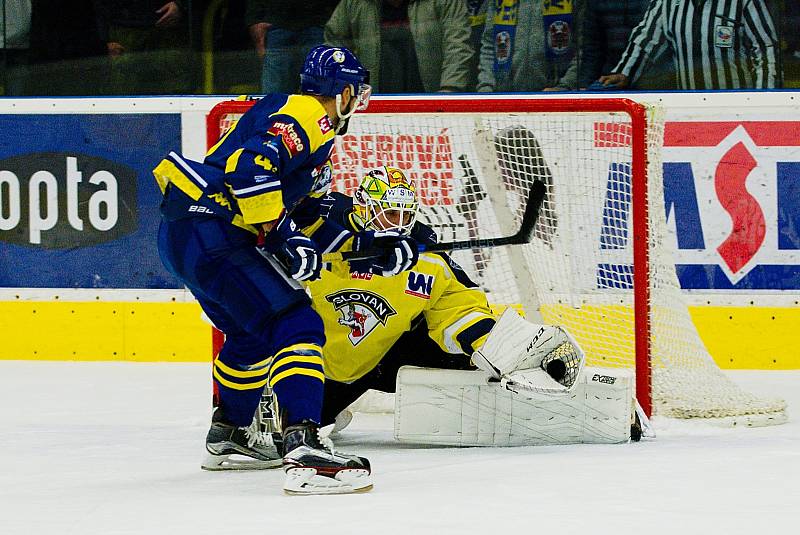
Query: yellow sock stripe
237, 386
262, 371
296, 371
299, 347
289, 360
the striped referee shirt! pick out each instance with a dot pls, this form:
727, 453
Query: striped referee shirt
716, 44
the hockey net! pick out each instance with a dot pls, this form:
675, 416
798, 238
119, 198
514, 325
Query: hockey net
601, 260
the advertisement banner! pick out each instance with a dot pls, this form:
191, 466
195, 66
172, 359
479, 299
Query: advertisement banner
731, 191
732, 195
78, 204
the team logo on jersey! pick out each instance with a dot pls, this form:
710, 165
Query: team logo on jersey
419, 284
325, 125
361, 310
289, 137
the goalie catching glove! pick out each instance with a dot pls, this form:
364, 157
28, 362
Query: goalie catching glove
399, 253
525, 356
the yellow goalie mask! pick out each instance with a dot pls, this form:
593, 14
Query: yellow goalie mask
386, 200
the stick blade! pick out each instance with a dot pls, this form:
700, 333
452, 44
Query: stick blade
531, 214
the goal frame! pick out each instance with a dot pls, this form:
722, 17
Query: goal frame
528, 104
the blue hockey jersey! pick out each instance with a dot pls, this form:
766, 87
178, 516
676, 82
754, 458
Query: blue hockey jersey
274, 156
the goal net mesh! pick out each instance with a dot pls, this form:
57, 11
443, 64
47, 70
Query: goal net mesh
473, 172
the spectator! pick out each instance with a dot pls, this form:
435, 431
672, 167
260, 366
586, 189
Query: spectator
715, 44
407, 45
606, 27
15, 30
67, 55
148, 44
282, 33
529, 45
476, 10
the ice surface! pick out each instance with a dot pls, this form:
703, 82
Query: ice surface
113, 448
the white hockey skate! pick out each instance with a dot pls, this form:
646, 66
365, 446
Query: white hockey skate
314, 468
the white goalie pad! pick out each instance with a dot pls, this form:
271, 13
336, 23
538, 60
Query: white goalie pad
466, 408
523, 355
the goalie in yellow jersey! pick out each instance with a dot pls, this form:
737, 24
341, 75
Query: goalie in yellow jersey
434, 316
431, 316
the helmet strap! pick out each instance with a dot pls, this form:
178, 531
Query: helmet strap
341, 127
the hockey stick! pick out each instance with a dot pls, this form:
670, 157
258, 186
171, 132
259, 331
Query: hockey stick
522, 236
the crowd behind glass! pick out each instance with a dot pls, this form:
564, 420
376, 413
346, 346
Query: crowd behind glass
145, 47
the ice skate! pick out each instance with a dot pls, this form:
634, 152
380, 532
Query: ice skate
240, 448
312, 467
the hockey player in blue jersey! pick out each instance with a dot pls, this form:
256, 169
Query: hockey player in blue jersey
265, 177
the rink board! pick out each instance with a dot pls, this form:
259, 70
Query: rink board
103, 327
744, 295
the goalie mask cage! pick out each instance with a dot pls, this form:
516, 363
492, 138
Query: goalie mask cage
600, 262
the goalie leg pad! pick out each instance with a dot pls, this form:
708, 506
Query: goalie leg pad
463, 408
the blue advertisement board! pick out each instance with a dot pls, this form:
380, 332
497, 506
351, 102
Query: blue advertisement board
79, 207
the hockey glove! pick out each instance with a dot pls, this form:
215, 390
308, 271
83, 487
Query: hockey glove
398, 253
294, 250
528, 357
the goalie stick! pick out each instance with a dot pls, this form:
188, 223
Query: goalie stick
521, 237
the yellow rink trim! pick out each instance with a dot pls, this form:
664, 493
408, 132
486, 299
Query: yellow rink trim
750, 337
146, 332
737, 337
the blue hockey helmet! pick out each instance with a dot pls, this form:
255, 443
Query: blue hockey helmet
327, 70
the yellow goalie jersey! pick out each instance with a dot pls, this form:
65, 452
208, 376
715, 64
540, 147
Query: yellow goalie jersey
365, 314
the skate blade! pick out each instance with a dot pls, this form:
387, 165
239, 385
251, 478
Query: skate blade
305, 481
221, 463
